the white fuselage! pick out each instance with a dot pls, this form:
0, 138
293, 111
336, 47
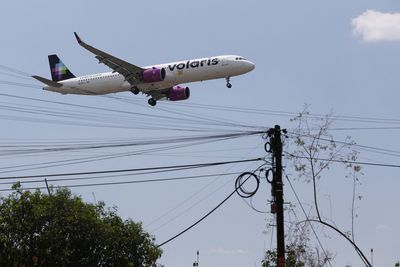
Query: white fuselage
176, 73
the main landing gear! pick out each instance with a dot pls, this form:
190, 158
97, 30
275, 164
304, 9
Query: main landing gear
135, 90
228, 84
152, 102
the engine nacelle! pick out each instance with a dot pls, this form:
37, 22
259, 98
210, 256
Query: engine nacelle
177, 93
153, 75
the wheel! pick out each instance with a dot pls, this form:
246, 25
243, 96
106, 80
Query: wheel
228, 84
135, 90
152, 102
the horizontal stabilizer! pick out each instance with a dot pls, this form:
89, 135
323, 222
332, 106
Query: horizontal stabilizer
47, 81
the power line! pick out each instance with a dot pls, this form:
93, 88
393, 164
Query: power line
179, 139
305, 214
128, 182
191, 117
189, 114
291, 114
22, 74
100, 120
255, 111
364, 128
199, 165
193, 195
241, 182
368, 148
198, 221
107, 176
16, 71
348, 161
15, 76
19, 84
151, 116
104, 157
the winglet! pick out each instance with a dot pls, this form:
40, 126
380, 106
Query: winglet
78, 38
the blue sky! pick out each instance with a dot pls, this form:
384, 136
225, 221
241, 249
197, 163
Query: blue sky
334, 56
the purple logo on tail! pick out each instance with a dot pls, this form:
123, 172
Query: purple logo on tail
59, 70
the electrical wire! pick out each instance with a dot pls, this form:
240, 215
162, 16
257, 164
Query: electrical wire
199, 165
190, 114
251, 205
290, 114
15, 76
198, 202
103, 120
113, 176
124, 182
179, 139
106, 157
16, 71
364, 128
305, 214
106, 121
358, 250
25, 75
348, 161
160, 117
198, 221
185, 201
19, 84
214, 209
364, 147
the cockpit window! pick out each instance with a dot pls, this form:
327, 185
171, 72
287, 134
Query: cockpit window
240, 58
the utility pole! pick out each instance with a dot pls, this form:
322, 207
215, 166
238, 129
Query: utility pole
274, 135
196, 263
372, 257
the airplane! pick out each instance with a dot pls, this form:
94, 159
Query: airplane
159, 82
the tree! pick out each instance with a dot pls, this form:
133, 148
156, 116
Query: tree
61, 230
314, 151
296, 256
311, 150
299, 251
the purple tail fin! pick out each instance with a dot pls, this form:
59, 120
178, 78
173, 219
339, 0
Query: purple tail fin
59, 71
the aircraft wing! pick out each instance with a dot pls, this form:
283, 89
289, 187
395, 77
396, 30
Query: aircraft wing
132, 73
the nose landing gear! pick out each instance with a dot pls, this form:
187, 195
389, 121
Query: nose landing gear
228, 84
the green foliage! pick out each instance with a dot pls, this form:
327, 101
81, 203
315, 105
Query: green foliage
313, 152
314, 149
297, 255
299, 251
62, 230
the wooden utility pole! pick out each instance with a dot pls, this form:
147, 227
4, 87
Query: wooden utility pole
277, 192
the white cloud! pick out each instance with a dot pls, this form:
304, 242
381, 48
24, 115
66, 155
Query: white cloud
374, 26
221, 250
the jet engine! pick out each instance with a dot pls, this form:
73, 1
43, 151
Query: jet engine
153, 75
177, 93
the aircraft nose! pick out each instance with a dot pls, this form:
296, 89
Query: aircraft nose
250, 65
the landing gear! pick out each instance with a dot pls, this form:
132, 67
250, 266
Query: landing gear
228, 84
152, 102
135, 90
